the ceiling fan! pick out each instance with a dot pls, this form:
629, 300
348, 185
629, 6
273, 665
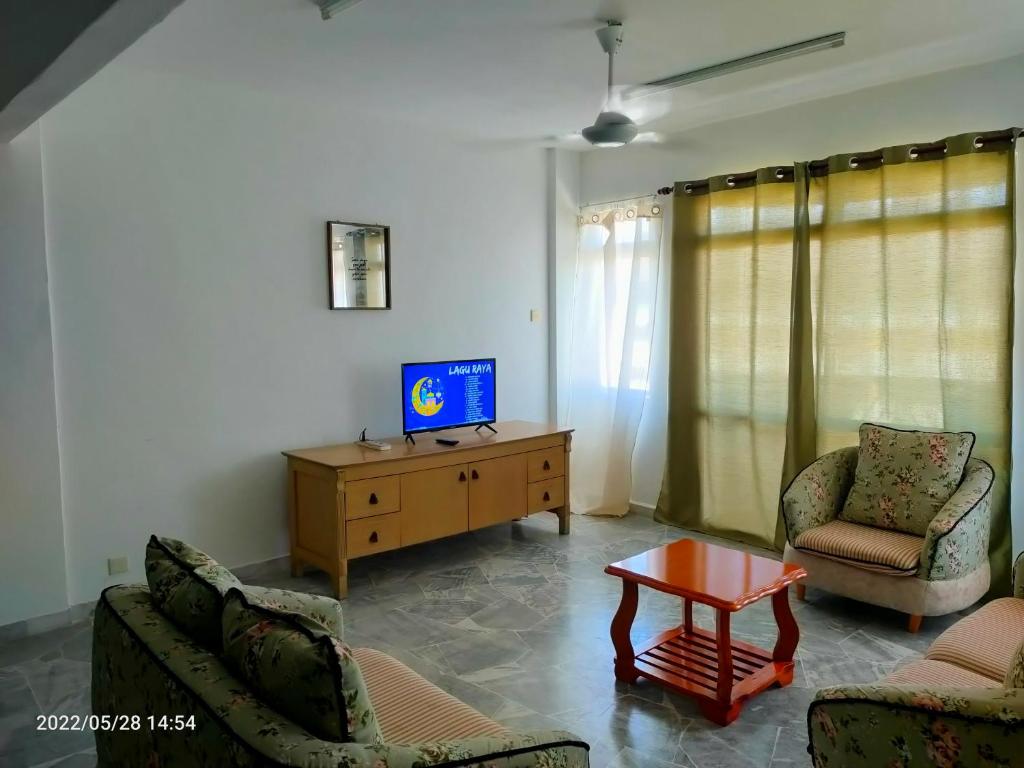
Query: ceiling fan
613, 128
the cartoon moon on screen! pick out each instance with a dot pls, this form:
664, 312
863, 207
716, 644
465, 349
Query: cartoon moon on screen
427, 396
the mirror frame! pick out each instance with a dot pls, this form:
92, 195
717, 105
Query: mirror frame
387, 263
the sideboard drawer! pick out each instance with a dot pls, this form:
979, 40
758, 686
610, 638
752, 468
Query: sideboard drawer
540, 465
370, 535
546, 494
368, 498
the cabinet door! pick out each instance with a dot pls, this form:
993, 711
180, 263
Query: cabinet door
434, 504
497, 490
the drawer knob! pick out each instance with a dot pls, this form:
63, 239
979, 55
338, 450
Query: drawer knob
547, 465
475, 475
462, 477
373, 498
547, 496
374, 537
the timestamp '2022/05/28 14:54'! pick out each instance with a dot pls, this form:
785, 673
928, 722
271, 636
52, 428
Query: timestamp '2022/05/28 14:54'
115, 722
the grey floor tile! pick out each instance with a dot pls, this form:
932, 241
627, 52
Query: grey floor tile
514, 621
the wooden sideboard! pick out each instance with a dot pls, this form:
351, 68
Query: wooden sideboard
346, 501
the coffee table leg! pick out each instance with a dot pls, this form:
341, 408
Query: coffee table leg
789, 635
622, 623
688, 615
723, 711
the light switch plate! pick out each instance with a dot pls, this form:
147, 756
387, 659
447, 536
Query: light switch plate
116, 565
534, 315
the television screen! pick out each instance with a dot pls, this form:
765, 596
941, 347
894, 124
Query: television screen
455, 393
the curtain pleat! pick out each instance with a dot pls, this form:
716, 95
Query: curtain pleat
864, 287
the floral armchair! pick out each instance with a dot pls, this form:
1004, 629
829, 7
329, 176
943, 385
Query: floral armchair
962, 705
940, 572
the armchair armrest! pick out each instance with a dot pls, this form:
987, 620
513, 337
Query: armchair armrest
816, 495
956, 541
879, 725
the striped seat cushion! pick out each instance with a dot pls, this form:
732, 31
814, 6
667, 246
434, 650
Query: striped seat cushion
411, 710
872, 549
985, 642
939, 674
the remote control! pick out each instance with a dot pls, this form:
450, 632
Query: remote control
447, 441
376, 445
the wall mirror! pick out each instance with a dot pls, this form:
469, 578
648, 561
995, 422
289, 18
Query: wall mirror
359, 265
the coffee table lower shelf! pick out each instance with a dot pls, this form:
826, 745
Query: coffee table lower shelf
688, 663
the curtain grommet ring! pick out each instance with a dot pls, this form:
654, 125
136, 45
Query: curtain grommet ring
780, 173
730, 181
912, 153
978, 142
655, 209
630, 214
853, 162
688, 189
945, 148
595, 218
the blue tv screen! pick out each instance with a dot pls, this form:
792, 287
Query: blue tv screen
455, 393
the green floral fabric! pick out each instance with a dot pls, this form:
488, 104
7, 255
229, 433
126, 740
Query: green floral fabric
322, 609
295, 664
143, 664
904, 478
956, 542
902, 727
188, 586
817, 494
1015, 675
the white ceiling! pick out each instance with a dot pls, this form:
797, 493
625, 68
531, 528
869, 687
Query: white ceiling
529, 69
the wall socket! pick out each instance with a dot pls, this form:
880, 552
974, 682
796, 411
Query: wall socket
116, 565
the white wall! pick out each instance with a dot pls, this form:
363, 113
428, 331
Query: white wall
985, 97
186, 224
32, 576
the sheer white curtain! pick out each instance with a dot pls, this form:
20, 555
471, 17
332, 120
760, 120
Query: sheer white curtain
614, 294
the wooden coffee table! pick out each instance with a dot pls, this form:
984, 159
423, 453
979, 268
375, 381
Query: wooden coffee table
721, 673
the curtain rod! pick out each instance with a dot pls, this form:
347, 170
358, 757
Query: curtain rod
661, 191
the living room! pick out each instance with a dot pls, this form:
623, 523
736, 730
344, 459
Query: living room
724, 302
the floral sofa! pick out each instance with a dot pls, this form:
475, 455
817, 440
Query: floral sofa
961, 705
163, 699
939, 568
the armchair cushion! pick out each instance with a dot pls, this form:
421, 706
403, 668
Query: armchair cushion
297, 666
321, 608
411, 710
869, 548
957, 539
985, 642
905, 477
188, 587
927, 673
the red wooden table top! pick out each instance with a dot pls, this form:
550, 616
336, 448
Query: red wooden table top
707, 573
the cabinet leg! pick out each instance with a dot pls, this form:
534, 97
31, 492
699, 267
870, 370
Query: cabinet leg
563, 519
339, 581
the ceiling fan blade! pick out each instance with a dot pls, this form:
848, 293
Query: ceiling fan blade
825, 42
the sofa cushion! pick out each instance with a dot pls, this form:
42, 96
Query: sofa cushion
986, 641
299, 668
188, 587
904, 477
872, 549
938, 674
411, 710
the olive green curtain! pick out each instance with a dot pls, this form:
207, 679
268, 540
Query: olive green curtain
898, 271
731, 294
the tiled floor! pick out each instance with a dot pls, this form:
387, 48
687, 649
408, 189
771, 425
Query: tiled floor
514, 621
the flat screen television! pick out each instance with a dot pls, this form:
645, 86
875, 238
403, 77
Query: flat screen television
447, 394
